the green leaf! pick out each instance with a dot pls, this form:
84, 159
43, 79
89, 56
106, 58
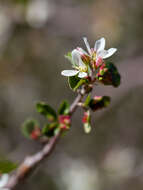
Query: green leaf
87, 100
28, 127
64, 108
81, 82
68, 56
87, 127
56, 131
49, 129
7, 166
46, 110
75, 82
109, 75
89, 70
99, 102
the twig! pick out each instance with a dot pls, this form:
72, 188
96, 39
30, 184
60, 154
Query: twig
33, 161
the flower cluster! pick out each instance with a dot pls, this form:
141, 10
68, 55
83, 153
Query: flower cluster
83, 62
89, 68
64, 121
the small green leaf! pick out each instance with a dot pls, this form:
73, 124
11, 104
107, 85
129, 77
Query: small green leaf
64, 108
87, 100
49, 129
46, 110
7, 166
56, 131
68, 56
89, 70
87, 127
75, 82
28, 127
81, 82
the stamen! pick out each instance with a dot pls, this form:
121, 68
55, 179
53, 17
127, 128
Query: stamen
82, 69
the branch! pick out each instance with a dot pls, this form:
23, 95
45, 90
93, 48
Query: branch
97, 70
31, 162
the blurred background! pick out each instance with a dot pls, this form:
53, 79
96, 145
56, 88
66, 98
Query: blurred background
34, 37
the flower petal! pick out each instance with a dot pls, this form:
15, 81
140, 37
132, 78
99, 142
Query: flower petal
3, 180
102, 54
69, 73
87, 45
99, 45
82, 74
81, 51
110, 52
76, 57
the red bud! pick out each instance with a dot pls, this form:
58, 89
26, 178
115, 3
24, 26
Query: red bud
35, 134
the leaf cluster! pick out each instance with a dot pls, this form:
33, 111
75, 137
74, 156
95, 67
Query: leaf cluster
51, 126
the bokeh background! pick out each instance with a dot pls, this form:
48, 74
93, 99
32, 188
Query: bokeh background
34, 36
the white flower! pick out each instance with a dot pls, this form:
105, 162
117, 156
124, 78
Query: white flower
3, 181
98, 53
80, 68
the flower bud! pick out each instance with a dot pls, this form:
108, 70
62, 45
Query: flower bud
86, 117
35, 134
99, 62
64, 121
86, 121
85, 58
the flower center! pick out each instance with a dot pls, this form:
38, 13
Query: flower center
82, 69
94, 56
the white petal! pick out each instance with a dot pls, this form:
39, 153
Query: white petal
81, 51
76, 57
110, 52
3, 180
99, 45
81, 64
102, 54
82, 74
87, 45
69, 73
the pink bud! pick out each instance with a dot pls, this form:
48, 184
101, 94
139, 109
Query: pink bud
35, 134
99, 62
64, 119
97, 97
63, 127
85, 117
102, 66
